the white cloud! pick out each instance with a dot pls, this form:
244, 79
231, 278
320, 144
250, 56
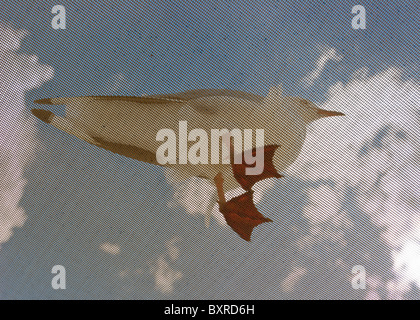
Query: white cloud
289, 283
374, 149
194, 194
18, 73
173, 251
110, 248
10, 38
327, 219
327, 54
407, 260
165, 276
322, 196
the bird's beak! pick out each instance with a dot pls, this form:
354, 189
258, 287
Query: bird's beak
326, 113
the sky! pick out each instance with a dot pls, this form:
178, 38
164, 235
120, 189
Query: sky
129, 230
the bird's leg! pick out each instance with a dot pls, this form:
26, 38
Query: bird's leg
239, 212
218, 180
209, 210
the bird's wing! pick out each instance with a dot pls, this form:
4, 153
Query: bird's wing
126, 150
89, 99
96, 108
204, 93
99, 107
213, 101
180, 97
206, 101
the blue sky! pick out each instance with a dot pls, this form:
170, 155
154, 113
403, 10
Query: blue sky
123, 229
251, 45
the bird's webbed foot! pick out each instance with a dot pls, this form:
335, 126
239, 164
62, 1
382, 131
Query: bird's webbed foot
240, 212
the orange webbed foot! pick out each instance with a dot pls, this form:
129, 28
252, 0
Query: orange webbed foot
240, 212
242, 215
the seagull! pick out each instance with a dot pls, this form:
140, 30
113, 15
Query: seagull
128, 125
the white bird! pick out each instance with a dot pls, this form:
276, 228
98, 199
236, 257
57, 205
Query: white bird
128, 125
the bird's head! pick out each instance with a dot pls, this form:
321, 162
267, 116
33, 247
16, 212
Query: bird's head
286, 107
310, 112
